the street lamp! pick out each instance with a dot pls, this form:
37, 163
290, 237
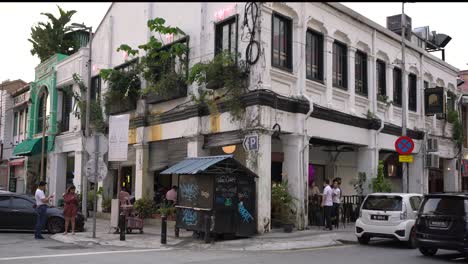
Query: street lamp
84, 182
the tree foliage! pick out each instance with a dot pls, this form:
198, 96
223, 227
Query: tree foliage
52, 37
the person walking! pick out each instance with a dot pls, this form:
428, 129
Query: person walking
70, 209
41, 208
336, 201
171, 195
327, 204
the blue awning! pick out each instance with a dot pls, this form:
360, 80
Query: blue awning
195, 165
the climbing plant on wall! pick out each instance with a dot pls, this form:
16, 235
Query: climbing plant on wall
224, 79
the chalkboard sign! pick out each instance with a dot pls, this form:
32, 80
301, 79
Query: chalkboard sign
195, 191
246, 217
225, 191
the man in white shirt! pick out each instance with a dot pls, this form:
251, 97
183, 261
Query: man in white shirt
327, 204
41, 209
336, 200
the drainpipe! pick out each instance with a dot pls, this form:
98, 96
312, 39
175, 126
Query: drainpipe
302, 84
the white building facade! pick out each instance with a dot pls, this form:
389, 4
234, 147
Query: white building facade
321, 76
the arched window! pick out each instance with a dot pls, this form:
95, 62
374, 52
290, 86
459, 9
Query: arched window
40, 112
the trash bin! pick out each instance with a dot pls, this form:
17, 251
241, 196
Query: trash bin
217, 189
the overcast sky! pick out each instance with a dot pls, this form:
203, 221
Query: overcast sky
16, 20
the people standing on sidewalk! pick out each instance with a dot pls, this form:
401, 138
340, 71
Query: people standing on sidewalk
336, 201
41, 209
327, 204
70, 209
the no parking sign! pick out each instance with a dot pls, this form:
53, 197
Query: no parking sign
404, 146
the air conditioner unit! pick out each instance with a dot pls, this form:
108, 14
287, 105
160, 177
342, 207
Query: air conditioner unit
432, 145
432, 161
394, 24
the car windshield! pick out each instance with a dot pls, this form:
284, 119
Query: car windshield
382, 203
444, 206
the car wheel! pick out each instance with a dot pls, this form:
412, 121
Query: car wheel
363, 240
412, 239
428, 251
55, 225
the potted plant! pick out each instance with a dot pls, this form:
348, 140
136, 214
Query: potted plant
283, 206
144, 207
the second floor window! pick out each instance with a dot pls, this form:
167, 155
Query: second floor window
450, 102
360, 73
340, 65
15, 124
397, 86
282, 42
381, 78
66, 110
40, 113
314, 55
95, 88
226, 36
412, 92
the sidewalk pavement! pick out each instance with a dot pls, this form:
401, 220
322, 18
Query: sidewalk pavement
275, 240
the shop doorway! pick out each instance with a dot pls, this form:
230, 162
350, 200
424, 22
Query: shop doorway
126, 179
276, 172
436, 180
70, 170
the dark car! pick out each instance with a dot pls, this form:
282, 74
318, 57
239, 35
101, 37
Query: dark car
17, 213
442, 223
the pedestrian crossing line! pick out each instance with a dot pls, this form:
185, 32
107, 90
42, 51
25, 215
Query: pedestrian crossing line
313, 249
84, 254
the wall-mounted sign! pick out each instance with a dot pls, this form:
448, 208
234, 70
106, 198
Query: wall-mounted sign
405, 158
224, 13
21, 99
434, 100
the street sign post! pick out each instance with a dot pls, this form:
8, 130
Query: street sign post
404, 145
101, 171
103, 145
250, 142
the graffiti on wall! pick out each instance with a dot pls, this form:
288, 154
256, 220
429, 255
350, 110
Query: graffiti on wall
189, 191
190, 217
245, 215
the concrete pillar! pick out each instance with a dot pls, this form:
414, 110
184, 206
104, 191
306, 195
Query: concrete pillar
260, 163
450, 175
351, 78
328, 66
416, 174
367, 162
195, 147
143, 180
78, 169
57, 173
296, 174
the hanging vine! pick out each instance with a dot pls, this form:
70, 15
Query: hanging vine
96, 118
225, 80
164, 67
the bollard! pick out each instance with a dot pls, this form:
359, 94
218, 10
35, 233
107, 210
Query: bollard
176, 231
163, 229
207, 229
122, 226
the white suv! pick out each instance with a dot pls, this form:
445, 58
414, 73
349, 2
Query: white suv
388, 215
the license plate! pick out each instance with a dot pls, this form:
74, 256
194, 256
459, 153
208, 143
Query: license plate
438, 223
379, 217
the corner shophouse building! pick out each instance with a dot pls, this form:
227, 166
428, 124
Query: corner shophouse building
342, 140
13, 111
